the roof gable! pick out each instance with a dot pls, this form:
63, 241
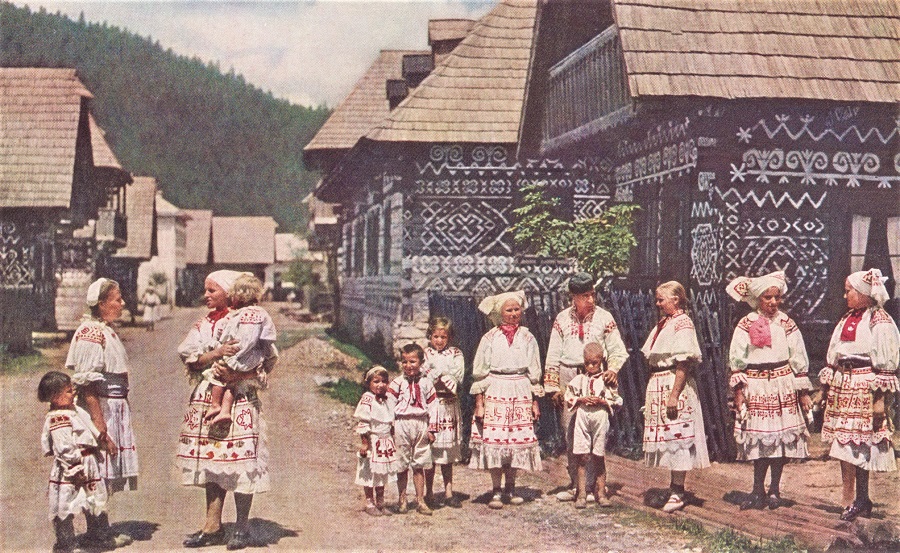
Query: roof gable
843, 50
476, 93
243, 240
364, 107
103, 154
140, 209
40, 112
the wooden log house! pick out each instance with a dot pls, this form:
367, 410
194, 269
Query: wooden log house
756, 136
141, 246
62, 201
425, 171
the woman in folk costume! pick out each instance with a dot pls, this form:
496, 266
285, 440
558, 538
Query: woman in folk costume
506, 384
100, 362
769, 369
674, 437
858, 384
236, 462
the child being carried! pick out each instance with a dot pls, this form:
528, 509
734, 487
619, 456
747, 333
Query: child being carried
251, 327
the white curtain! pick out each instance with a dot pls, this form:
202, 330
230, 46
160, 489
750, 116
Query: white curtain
858, 241
893, 241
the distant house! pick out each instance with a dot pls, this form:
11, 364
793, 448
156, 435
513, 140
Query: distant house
427, 191
141, 246
53, 182
243, 243
198, 255
755, 136
171, 259
290, 248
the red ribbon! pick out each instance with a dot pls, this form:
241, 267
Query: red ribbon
416, 391
509, 331
659, 327
851, 322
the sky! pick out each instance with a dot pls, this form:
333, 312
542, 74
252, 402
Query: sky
308, 52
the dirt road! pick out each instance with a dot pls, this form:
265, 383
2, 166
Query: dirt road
313, 504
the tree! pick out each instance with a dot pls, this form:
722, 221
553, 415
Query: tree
600, 245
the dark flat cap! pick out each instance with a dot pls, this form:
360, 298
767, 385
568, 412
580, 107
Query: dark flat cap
582, 282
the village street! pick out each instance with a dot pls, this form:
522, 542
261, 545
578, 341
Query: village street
313, 504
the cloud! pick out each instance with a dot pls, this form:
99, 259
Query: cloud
306, 52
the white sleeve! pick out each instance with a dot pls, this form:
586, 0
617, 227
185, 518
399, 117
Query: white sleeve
86, 357
481, 365
797, 357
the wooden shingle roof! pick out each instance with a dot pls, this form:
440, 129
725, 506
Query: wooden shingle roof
243, 240
364, 107
103, 154
140, 208
845, 50
476, 93
448, 29
198, 230
39, 114
288, 246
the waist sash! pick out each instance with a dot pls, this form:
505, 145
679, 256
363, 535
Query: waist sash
113, 386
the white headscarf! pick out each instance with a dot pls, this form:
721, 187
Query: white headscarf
93, 293
750, 289
870, 283
224, 278
491, 305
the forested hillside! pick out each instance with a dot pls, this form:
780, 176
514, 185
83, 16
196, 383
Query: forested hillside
212, 140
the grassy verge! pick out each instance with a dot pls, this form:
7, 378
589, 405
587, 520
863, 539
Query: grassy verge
344, 390
22, 363
289, 338
722, 541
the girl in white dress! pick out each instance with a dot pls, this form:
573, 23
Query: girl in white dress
674, 436
377, 462
858, 382
75, 485
506, 384
100, 362
769, 369
445, 367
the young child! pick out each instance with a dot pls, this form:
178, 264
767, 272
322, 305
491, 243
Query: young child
593, 402
76, 485
413, 400
445, 367
254, 331
377, 462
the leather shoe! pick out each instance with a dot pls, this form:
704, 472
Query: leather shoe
239, 540
857, 509
755, 501
202, 539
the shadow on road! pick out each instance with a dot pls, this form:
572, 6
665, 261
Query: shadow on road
139, 530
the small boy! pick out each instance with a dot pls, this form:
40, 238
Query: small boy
413, 399
593, 402
76, 485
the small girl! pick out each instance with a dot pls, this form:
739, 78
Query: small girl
254, 332
593, 403
377, 462
76, 485
445, 367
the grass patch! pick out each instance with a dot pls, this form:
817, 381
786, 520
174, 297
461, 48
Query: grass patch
344, 390
289, 338
349, 349
22, 363
729, 541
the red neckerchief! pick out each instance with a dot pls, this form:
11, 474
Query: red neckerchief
592, 378
580, 323
217, 315
659, 327
851, 322
381, 398
416, 391
509, 331
760, 333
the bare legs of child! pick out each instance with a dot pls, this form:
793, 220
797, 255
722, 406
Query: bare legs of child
504, 493
582, 485
447, 476
375, 501
419, 484
220, 402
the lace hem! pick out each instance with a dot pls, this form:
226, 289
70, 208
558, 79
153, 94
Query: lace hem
885, 383
486, 457
786, 437
670, 446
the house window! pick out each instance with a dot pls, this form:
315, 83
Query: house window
386, 242
373, 239
359, 239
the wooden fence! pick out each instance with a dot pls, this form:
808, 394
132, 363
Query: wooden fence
635, 313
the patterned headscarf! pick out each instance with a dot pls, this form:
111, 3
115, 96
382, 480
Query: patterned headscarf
870, 283
750, 289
